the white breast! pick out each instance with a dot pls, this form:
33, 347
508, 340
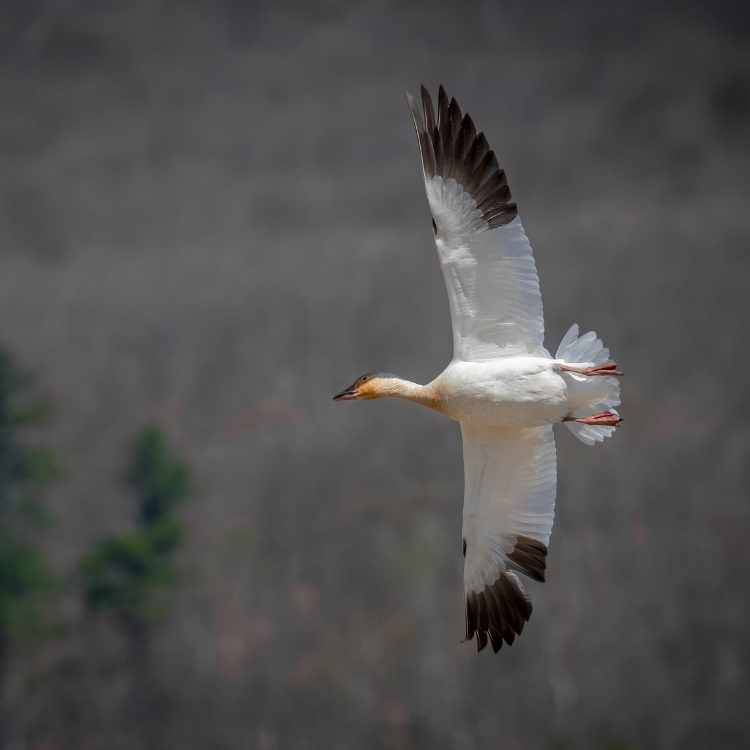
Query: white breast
503, 392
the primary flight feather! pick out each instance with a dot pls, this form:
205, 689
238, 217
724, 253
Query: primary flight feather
503, 387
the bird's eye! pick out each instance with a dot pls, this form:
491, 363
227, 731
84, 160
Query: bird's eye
434, 227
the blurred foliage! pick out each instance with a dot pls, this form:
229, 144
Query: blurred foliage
129, 574
160, 479
25, 470
23, 575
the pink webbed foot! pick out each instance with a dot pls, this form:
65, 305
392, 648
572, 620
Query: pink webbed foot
602, 419
609, 368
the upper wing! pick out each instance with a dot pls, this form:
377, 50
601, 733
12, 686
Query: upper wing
509, 507
487, 261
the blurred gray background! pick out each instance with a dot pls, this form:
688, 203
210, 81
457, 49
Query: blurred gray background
212, 217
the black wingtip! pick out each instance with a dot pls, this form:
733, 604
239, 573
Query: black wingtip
497, 613
452, 148
529, 556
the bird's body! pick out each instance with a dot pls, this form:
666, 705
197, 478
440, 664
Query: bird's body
502, 385
511, 392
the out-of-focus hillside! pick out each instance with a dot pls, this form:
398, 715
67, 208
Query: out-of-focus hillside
211, 216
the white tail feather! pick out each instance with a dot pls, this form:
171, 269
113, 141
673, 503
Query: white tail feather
587, 350
588, 395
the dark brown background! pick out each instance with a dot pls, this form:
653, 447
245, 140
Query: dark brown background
212, 215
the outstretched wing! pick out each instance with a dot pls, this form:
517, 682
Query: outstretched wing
487, 261
509, 508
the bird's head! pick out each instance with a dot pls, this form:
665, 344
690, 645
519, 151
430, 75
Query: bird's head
368, 386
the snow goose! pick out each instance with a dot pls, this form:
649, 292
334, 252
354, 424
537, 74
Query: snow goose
502, 385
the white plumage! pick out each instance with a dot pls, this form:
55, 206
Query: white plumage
502, 386
510, 478
491, 278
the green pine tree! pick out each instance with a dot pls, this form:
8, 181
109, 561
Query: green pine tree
130, 576
26, 469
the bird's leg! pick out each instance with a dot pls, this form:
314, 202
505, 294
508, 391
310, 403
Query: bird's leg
609, 368
602, 419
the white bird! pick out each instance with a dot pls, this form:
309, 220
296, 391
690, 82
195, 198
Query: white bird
503, 387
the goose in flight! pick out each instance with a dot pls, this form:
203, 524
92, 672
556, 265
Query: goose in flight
502, 386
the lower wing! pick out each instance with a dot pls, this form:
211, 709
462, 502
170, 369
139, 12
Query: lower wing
509, 508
